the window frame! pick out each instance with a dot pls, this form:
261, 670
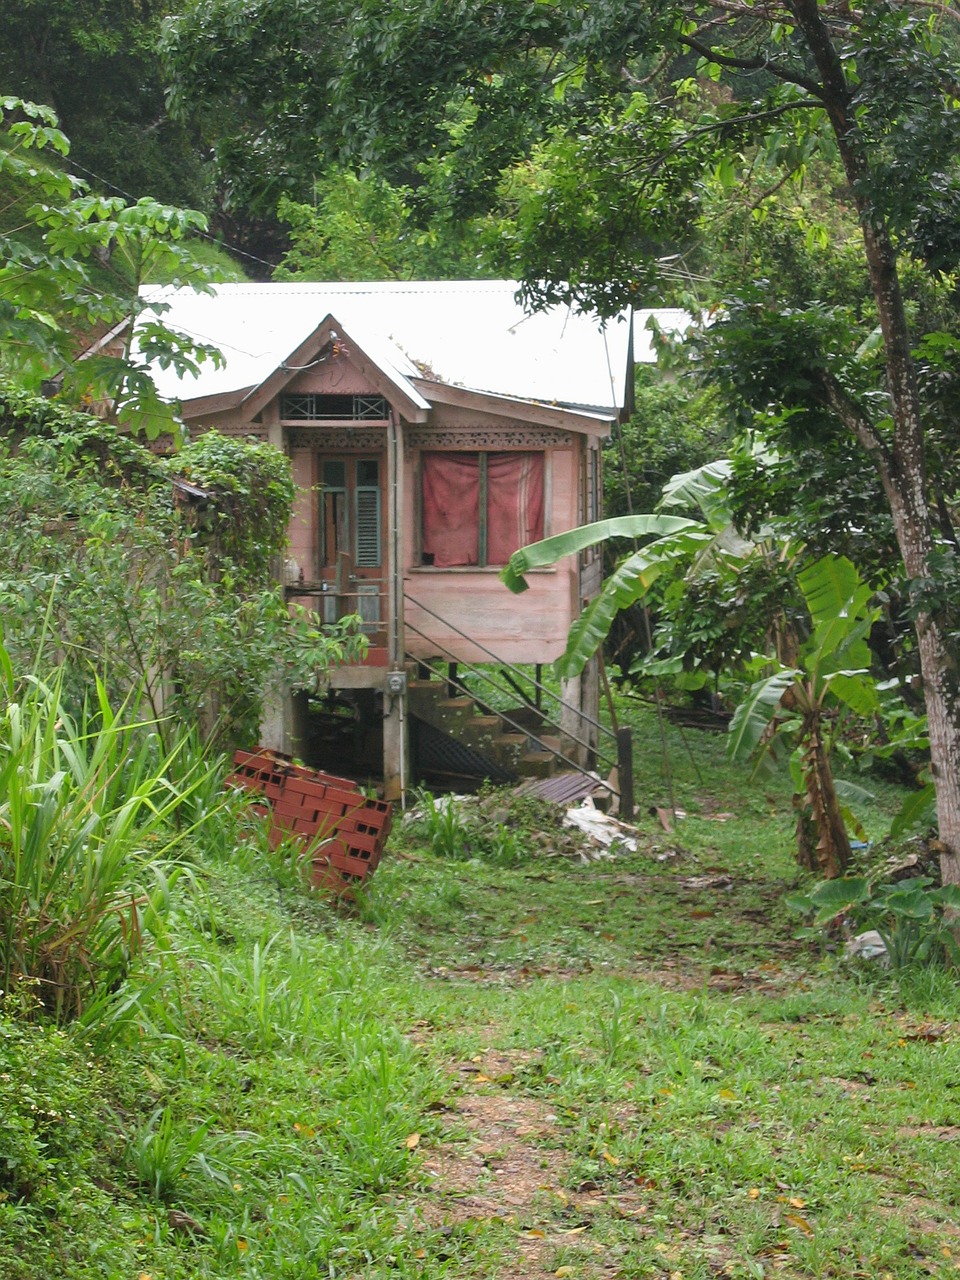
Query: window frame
482, 507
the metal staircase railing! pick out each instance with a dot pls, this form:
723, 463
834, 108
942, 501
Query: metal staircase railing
602, 729
483, 676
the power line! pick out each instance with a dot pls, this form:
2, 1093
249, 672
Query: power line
203, 235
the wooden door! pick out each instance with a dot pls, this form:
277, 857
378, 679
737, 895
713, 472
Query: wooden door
352, 544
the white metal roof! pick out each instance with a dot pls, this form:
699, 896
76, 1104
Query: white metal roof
469, 334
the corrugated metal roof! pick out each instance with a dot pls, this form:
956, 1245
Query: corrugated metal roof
469, 334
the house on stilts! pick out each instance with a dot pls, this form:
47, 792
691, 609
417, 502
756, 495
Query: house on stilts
432, 428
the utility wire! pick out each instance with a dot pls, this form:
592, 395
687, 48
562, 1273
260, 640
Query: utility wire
203, 235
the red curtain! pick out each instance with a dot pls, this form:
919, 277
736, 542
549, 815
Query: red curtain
514, 503
451, 495
451, 506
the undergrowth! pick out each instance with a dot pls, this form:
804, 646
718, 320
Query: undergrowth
266, 1091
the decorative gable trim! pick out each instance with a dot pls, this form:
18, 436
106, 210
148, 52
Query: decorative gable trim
475, 438
330, 337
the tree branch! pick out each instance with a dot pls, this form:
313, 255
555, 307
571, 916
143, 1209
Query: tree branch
771, 114
755, 63
833, 395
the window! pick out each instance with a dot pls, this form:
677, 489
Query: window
350, 512
311, 407
478, 508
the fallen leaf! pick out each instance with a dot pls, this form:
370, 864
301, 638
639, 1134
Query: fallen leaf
728, 1095
535, 1234
572, 1231
480, 1078
421, 1253
564, 1271
797, 1202
754, 1193
609, 1158
801, 1224
665, 818
411, 1140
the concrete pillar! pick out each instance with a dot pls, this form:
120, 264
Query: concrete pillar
581, 698
284, 724
396, 743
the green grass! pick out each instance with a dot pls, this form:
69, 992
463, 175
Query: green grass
688, 1092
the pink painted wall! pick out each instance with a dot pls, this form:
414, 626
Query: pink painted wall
531, 627
303, 526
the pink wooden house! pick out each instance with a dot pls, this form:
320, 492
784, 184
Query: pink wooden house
432, 428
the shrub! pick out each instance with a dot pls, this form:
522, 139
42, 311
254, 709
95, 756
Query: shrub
86, 841
102, 565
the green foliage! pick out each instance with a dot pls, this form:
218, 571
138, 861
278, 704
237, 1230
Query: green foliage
365, 228
251, 489
97, 61
915, 920
49, 1092
794, 707
175, 598
160, 1155
684, 550
457, 834
87, 829
71, 268
674, 427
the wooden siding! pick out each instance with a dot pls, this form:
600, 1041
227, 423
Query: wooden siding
531, 627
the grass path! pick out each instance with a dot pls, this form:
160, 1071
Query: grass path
647, 1076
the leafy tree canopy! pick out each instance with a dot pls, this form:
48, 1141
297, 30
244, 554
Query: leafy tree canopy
71, 266
95, 63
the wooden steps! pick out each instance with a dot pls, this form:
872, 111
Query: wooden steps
530, 753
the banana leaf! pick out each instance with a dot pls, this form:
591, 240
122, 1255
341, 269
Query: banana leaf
627, 584
754, 714
540, 554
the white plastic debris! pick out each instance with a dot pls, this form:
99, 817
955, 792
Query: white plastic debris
604, 830
866, 946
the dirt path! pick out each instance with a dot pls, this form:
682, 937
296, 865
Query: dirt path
501, 1161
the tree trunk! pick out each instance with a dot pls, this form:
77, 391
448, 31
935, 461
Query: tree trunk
901, 463
823, 845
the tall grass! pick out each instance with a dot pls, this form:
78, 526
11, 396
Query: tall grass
87, 840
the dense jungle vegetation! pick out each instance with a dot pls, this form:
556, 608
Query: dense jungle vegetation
505, 1056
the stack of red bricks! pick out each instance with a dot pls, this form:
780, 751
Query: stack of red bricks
341, 830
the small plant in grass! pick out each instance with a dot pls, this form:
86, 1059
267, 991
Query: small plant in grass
445, 827
160, 1154
615, 1036
912, 917
458, 835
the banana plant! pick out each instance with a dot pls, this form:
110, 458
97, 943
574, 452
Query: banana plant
795, 710
676, 541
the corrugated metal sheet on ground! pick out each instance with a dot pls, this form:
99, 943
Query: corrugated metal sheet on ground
562, 788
